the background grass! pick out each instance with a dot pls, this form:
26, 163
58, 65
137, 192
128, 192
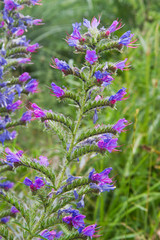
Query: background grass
132, 211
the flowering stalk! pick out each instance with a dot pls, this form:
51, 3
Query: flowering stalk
59, 194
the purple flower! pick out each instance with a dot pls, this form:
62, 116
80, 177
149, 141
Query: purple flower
2, 61
6, 135
78, 221
1, 24
101, 177
6, 185
108, 143
120, 125
58, 91
118, 96
80, 204
95, 117
35, 2
89, 231
50, 234
74, 38
121, 65
24, 77
76, 26
42, 161
125, 39
32, 48
61, 65
14, 210
103, 77
9, 5
37, 22
37, 111
94, 23
14, 106
91, 56
13, 158
23, 60
39, 183
27, 116
114, 27
19, 32
5, 219
31, 86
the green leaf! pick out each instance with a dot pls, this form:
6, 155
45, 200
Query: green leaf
74, 235
5, 233
105, 45
66, 121
5, 213
90, 105
17, 51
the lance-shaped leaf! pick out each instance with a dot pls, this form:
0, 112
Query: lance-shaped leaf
72, 96
104, 45
8, 197
82, 150
48, 172
66, 121
5, 213
4, 168
90, 105
95, 131
5, 233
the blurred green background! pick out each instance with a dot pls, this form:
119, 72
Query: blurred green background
132, 211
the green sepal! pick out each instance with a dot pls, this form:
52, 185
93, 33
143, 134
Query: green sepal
90, 105
71, 95
48, 172
66, 121
82, 150
5, 233
8, 197
95, 131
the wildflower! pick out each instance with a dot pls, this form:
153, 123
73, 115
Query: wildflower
58, 91
118, 96
32, 48
76, 26
23, 60
120, 125
91, 56
37, 111
14, 210
107, 142
6, 185
1, 24
103, 77
6, 135
125, 39
50, 234
77, 221
5, 219
24, 77
13, 158
19, 32
37, 22
89, 231
121, 65
9, 5
39, 183
26, 117
94, 23
42, 161
114, 27
61, 65
31, 86
80, 204
14, 106
101, 177
35, 2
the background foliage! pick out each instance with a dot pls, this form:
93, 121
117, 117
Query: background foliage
132, 211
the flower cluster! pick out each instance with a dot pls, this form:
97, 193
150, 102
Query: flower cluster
15, 51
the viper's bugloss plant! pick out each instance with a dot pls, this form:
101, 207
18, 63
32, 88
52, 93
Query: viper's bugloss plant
53, 210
